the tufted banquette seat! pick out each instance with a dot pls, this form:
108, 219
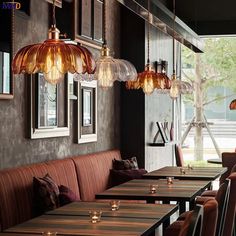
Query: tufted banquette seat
85, 175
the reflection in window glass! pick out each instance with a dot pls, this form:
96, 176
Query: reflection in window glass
47, 96
6, 72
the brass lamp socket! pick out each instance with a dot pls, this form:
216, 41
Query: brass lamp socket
105, 51
53, 32
148, 67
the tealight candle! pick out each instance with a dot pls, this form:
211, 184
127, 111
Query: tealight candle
49, 233
182, 170
115, 205
190, 167
95, 216
152, 188
169, 180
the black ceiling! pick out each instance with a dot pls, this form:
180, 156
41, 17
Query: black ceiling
207, 17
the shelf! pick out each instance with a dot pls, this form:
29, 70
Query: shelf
160, 144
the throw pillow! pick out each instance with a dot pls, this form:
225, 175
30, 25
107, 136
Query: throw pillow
122, 176
127, 164
46, 194
66, 195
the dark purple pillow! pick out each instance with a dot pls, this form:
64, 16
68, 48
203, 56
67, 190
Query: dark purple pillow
126, 164
46, 194
122, 176
67, 196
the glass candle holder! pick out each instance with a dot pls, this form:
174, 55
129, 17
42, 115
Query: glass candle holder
190, 167
182, 170
169, 180
95, 216
49, 233
153, 188
115, 205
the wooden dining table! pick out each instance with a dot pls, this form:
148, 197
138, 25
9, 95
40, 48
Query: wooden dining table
181, 191
215, 161
196, 173
160, 212
73, 219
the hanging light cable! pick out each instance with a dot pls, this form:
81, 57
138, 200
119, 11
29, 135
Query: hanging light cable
174, 89
53, 57
109, 69
147, 78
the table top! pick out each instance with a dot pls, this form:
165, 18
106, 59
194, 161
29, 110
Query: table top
81, 225
138, 189
15, 234
197, 173
215, 161
126, 210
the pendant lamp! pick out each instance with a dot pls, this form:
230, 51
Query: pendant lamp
232, 105
175, 84
147, 80
109, 69
53, 57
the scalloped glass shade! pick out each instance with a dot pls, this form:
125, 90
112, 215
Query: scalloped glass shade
186, 87
132, 84
162, 81
126, 70
106, 71
147, 80
232, 105
175, 87
53, 58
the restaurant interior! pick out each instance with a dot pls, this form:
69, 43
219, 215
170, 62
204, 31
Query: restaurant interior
90, 120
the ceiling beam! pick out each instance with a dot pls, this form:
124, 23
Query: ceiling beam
162, 18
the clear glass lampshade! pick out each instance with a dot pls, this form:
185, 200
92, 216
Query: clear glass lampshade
126, 70
175, 87
188, 88
106, 71
83, 77
147, 79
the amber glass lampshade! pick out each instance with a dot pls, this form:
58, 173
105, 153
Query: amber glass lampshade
147, 79
53, 58
232, 105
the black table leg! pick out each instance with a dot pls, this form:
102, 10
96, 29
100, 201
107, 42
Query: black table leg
182, 207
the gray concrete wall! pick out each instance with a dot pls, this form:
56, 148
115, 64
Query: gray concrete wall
15, 148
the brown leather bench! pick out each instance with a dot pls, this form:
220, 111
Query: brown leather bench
85, 175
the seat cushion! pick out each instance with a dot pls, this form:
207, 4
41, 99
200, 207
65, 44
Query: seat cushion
93, 172
67, 196
127, 164
174, 229
46, 194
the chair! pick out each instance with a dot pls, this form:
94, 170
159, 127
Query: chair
179, 156
228, 224
191, 226
228, 160
222, 197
